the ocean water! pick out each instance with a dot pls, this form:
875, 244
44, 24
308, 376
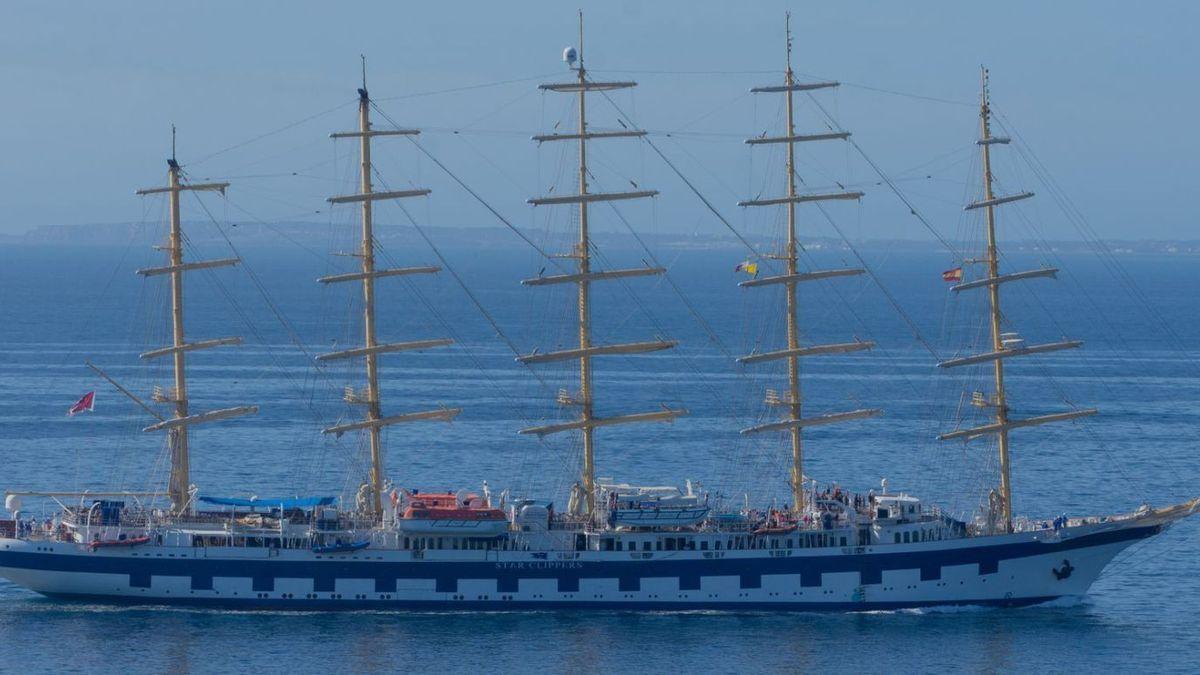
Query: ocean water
64, 305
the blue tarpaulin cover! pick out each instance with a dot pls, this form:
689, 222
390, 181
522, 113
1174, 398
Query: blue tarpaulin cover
284, 502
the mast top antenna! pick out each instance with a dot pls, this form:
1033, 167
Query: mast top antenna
984, 100
362, 93
172, 162
580, 51
787, 27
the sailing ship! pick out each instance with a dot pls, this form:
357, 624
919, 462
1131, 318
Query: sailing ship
616, 545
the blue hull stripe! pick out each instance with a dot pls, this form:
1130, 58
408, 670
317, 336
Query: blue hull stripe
517, 605
568, 573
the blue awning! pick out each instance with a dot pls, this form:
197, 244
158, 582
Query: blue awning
283, 503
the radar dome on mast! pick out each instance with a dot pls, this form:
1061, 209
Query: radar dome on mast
570, 55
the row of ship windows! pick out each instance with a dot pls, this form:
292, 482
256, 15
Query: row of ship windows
453, 543
731, 544
917, 536
735, 543
415, 543
815, 540
659, 544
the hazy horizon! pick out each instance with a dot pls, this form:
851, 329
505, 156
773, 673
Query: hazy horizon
255, 90
311, 237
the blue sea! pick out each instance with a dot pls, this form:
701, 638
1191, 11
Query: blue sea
61, 306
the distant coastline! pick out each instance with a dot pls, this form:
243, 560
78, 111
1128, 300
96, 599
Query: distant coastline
316, 234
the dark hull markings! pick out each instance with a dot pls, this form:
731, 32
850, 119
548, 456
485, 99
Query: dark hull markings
507, 575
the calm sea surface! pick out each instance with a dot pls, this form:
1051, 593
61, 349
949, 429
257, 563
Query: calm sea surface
1139, 366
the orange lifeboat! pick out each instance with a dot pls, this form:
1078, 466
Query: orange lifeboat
451, 514
118, 543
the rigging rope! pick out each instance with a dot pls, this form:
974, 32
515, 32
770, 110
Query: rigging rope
482, 310
472, 192
273, 132
874, 277
891, 299
466, 289
1079, 221
887, 180
291, 332
468, 87
261, 288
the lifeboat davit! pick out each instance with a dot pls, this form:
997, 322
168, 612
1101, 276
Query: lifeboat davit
451, 514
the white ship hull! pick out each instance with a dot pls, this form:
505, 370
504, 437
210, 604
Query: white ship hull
1007, 570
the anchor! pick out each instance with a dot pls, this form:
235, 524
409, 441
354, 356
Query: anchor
1063, 573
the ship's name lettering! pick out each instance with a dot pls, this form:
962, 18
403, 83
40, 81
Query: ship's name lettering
539, 565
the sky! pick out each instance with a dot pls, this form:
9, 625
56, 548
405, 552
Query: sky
1103, 92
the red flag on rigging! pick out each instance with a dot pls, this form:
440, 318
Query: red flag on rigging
952, 275
85, 404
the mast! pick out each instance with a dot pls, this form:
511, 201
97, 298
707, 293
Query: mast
367, 257
793, 330
179, 485
180, 462
792, 401
1003, 345
584, 399
583, 250
374, 421
993, 271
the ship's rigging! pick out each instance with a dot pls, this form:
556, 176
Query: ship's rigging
587, 422
180, 485
455, 548
374, 421
1004, 345
793, 422
790, 354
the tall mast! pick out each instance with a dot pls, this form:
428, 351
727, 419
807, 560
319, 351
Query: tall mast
794, 423
584, 276
793, 330
993, 271
367, 257
179, 484
180, 463
1003, 345
584, 254
374, 421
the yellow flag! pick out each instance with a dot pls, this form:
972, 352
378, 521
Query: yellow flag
748, 267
